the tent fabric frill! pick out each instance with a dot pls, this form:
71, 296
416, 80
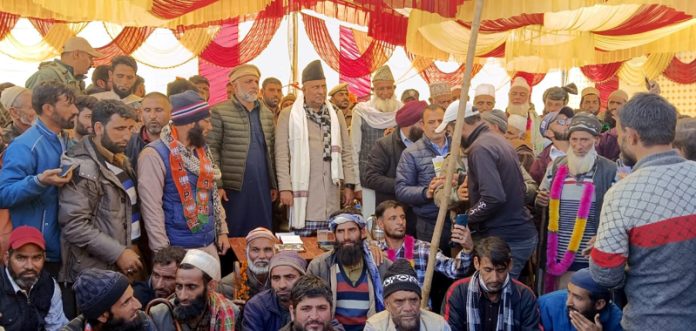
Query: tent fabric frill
596, 34
376, 54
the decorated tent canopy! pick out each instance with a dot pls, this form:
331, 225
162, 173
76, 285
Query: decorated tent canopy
531, 37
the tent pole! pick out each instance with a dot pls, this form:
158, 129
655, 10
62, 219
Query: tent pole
294, 51
454, 152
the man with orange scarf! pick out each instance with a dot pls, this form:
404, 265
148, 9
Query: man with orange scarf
180, 203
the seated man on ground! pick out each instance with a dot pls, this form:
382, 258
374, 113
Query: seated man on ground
402, 296
350, 270
584, 306
491, 299
311, 306
251, 277
196, 305
268, 310
161, 282
30, 298
107, 303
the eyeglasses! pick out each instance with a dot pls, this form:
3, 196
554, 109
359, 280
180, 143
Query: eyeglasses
563, 122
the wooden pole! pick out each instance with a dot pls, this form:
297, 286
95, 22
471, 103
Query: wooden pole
295, 41
454, 153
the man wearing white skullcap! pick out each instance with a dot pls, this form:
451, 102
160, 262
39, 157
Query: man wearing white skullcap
370, 119
195, 301
484, 97
520, 104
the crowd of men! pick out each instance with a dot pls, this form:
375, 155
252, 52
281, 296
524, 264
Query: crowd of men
119, 205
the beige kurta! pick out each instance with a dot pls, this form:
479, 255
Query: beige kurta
324, 197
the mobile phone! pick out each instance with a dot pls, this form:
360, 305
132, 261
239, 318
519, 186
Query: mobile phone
66, 169
462, 219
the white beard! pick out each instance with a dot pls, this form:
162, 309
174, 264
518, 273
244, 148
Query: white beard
579, 165
519, 109
385, 105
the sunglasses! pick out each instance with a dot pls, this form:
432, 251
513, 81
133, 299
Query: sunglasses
563, 122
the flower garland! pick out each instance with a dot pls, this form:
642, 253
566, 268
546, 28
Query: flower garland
409, 243
195, 205
241, 288
554, 268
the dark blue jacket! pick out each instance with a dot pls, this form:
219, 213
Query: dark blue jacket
525, 313
30, 202
263, 312
177, 230
413, 175
554, 313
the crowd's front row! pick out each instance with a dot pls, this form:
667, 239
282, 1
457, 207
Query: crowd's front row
347, 288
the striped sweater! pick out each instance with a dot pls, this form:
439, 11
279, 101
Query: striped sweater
648, 223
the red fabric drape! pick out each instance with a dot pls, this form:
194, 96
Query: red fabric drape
261, 33
442, 8
680, 72
125, 43
648, 17
531, 78
376, 54
601, 72
169, 9
360, 86
432, 73
605, 88
505, 24
228, 36
7, 23
388, 26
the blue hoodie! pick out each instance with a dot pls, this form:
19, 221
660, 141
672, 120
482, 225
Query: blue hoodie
30, 202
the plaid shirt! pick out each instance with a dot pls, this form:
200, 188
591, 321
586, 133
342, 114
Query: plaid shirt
451, 267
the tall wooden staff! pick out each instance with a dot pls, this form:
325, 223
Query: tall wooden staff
454, 152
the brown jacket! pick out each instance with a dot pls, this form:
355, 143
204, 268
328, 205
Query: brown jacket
94, 215
324, 197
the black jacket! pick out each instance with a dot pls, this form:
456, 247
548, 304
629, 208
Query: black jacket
380, 171
496, 188
19, 313
525, 309
135, 145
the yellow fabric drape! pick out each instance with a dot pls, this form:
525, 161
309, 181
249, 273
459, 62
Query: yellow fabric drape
415, 42
506, 8
634, 71
130, 12
17, 50
196, 40
595, 18
59, 33
453, 38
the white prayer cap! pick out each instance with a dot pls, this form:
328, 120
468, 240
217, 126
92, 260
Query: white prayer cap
520, 82
204, 261
485, 89
518, 122
451, 114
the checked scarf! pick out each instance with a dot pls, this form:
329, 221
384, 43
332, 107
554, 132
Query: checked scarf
324, 120
473, 294
221, 311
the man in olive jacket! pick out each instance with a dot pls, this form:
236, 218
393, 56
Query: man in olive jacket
242, 142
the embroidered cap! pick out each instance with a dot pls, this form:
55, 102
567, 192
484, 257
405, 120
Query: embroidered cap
587, 122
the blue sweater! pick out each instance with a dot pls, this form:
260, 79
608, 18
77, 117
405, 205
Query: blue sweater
30, 202
554, 313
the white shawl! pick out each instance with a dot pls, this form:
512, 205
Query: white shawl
299, 158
